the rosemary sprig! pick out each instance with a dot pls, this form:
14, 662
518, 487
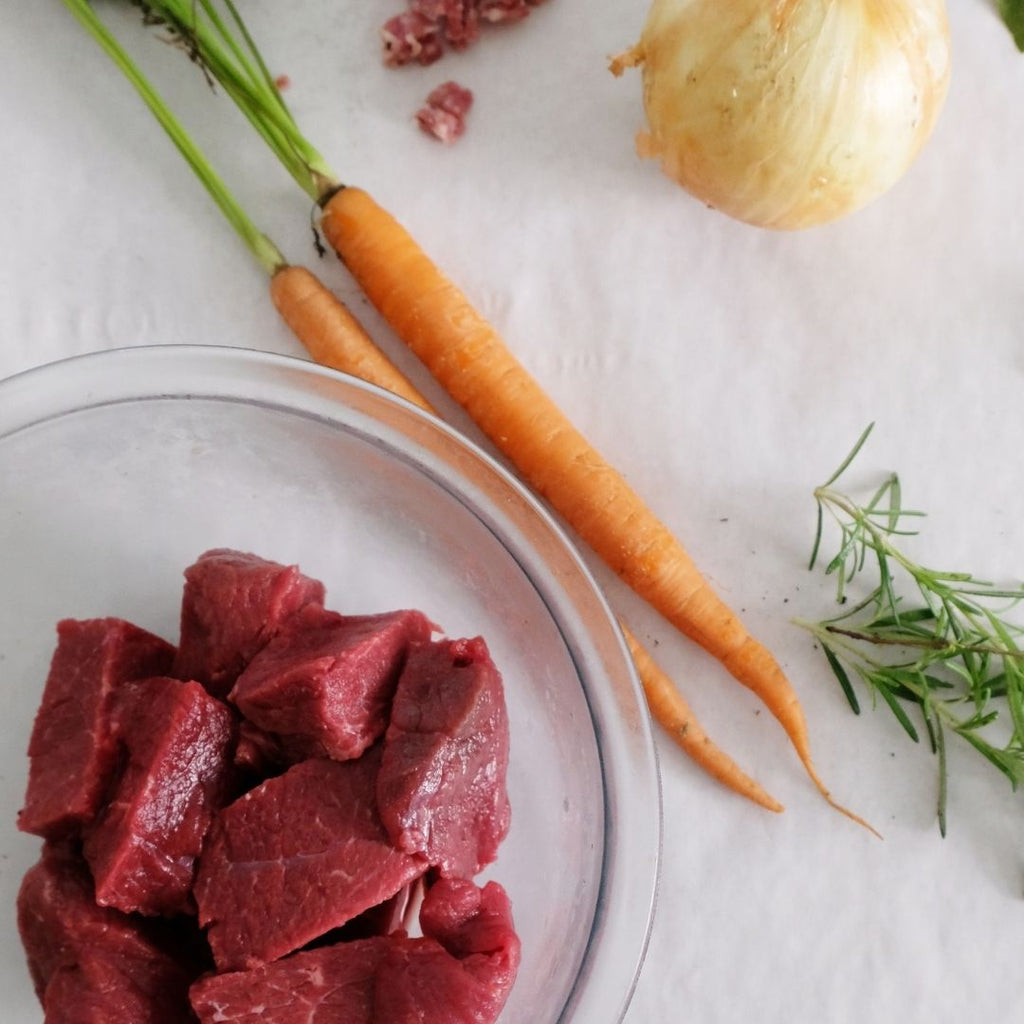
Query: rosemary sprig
935, 647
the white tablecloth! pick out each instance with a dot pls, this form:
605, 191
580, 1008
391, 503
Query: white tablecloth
724, 369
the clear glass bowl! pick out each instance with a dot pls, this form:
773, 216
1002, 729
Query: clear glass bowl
118, 469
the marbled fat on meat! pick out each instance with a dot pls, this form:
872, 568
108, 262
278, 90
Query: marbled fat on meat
332, 985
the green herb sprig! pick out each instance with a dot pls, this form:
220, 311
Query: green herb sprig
933, 646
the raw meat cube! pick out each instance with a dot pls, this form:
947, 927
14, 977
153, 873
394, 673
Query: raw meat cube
143, 847
463, 968
92, 964
332, 984
72, 748
325, 688
441, 788
233, 603
469, 920
459, 972
295, 857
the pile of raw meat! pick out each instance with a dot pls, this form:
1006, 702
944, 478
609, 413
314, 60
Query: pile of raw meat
243, 827
420, 33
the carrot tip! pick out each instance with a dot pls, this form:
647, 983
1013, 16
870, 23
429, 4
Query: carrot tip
853, 817
846, 812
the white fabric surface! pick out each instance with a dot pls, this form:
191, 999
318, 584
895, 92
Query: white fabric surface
724, 369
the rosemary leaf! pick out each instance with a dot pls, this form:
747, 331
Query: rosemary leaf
884, 690
844, 679
937, 644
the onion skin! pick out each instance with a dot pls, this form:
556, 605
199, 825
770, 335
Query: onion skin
790, 113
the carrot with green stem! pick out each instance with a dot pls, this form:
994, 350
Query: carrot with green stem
319, 320
465, 353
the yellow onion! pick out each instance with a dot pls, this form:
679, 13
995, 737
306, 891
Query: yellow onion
790, 113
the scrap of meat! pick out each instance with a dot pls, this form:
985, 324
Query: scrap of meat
419, 33
444, 113
409, 38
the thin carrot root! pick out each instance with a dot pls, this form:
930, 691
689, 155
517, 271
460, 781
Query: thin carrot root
469, 359
332, 335
674, 715
750, 660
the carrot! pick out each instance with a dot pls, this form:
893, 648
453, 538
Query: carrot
673, 713
466, 355
336, 339
332, 335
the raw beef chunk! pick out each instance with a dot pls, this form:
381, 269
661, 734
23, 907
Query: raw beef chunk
332, 985
459, 972
410, 36
91, 964
233, 603
143, 847
326, 687
296, 856
72, 749
441, 789
470, 921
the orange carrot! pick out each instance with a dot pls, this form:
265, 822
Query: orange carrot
674, 715
336, 339
332, 335
467, 356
